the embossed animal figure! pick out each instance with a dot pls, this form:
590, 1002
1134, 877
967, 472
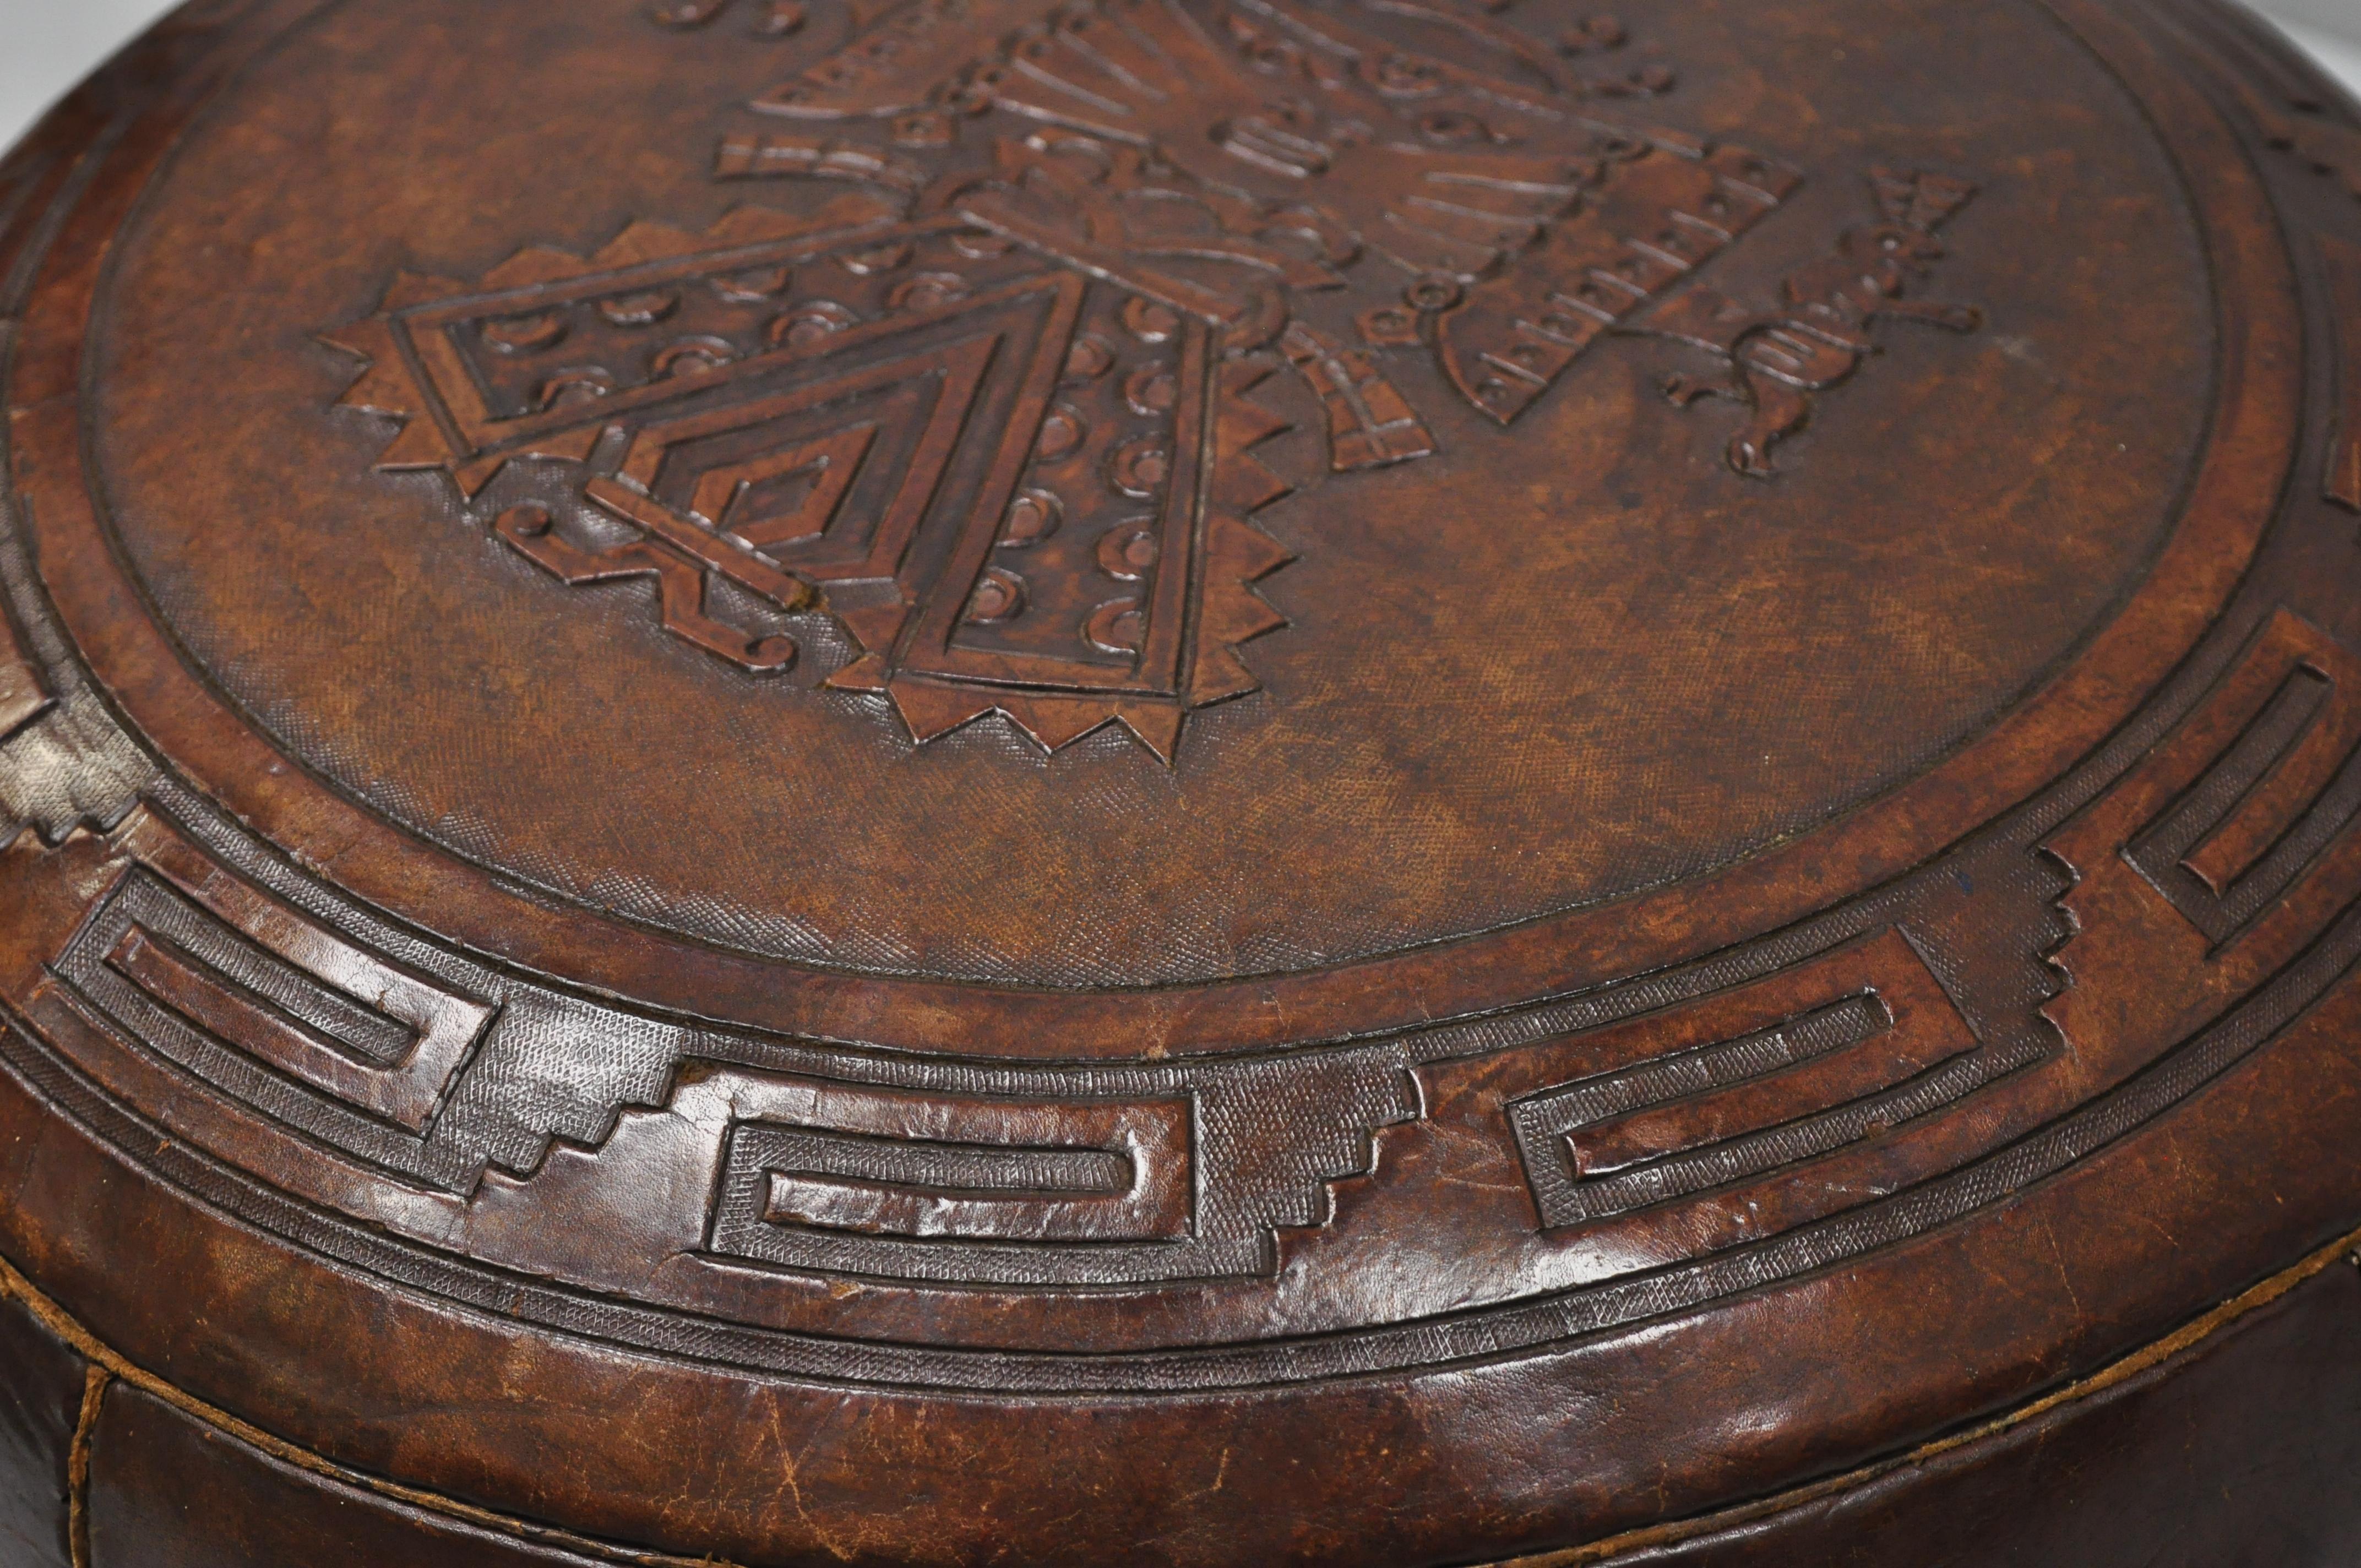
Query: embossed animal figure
1777, 360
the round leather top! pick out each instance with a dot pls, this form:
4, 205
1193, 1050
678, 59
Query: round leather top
1425, 746
1071, 693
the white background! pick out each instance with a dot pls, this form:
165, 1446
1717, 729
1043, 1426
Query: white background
46, 45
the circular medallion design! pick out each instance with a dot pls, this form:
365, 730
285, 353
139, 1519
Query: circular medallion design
1215, 722
1199, 490
1652, 641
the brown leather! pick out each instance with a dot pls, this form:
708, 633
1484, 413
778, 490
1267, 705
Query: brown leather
173, 1491
40, 1405
2256, 1410
1186, 781
2261, 1420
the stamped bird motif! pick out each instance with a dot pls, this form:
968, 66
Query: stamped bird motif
1818, 338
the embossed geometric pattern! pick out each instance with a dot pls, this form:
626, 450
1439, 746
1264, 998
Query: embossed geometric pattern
1879, 1050
194, 957
1197, 217
1201, 781
1517, 621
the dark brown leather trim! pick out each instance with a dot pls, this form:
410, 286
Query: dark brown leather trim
2324, 1285
39, 1401
2225, 1378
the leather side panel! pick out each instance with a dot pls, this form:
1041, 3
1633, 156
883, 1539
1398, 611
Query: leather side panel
40, 1398
2242, 1451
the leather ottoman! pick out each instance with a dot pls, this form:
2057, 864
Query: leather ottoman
1182, 782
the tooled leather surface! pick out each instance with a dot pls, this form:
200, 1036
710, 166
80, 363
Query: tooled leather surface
1776, 1086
